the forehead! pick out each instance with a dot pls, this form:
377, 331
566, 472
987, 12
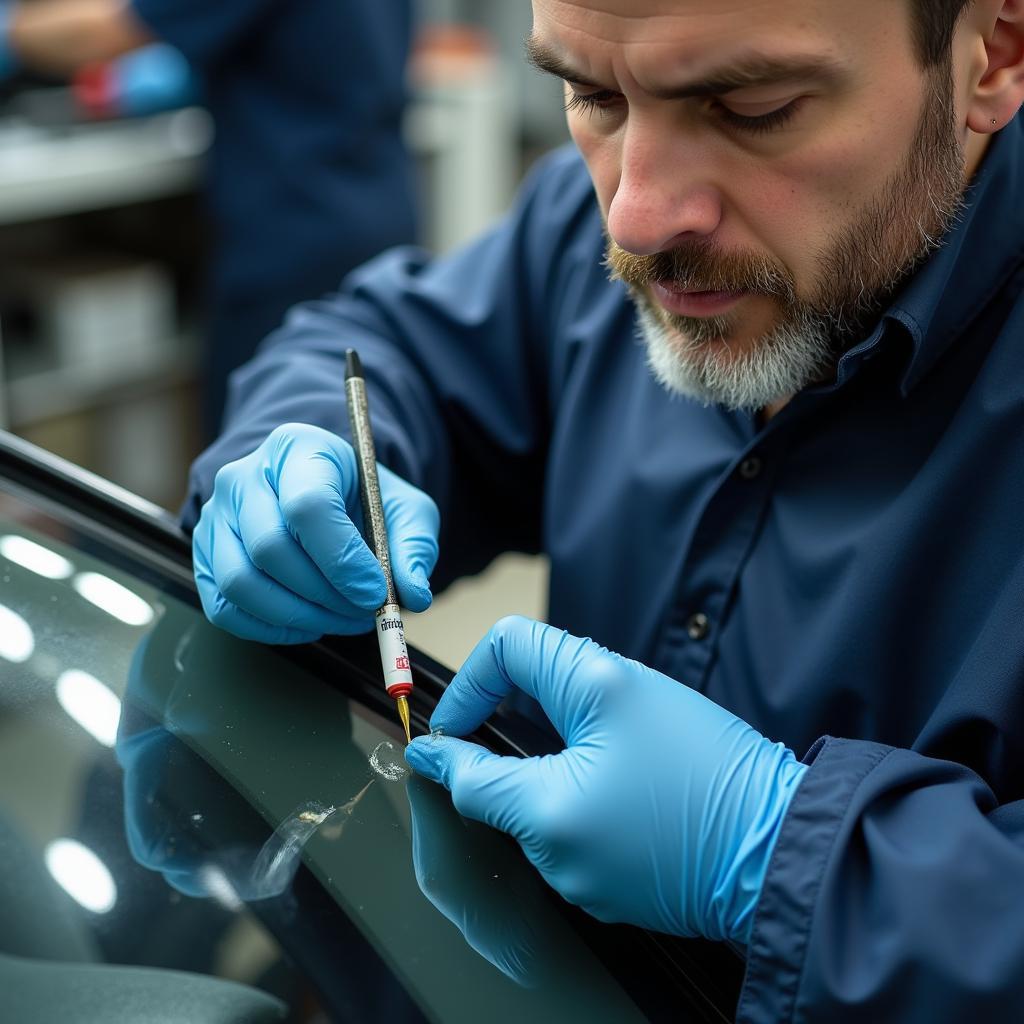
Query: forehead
701, 31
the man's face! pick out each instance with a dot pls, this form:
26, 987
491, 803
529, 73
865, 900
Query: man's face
768, 170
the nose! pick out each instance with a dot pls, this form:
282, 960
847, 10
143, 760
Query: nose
663, 196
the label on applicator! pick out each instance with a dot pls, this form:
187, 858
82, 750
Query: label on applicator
394, 655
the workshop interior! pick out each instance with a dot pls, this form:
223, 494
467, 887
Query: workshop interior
104, 248
510, 511
104, 240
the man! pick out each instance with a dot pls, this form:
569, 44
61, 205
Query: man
308, 176
814, 214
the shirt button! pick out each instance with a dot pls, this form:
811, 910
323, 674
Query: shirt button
750, 469
698, 626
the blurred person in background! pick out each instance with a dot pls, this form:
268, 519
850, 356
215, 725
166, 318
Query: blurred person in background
308, 176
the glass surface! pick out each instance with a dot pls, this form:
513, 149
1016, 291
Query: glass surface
183, 799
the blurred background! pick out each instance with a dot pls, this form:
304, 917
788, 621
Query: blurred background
105, 251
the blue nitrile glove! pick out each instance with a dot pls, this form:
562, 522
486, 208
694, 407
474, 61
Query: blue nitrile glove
151, 79
158, 836
8, 58
277, 555
478, 881
182, 820
663, 809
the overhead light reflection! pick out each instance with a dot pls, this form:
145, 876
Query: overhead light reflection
16, 640
91, 703
34, 557
80, 873
113, 598
218, 885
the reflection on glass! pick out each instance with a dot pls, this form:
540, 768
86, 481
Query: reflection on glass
16, 640
217, 885
82, 875
91, 703
69, 888
114, 599
34, 557
450, 913
241, 776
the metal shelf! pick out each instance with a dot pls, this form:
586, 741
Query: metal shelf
46, 172
39, 393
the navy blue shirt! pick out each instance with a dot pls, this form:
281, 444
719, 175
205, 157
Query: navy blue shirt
848, 578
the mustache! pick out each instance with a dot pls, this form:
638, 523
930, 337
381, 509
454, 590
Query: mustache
700, 266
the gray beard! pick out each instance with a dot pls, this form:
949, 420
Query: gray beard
899, 230
785, 361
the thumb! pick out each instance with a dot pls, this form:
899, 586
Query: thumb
484, 786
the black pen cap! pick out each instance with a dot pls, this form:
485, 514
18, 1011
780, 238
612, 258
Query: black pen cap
353, 367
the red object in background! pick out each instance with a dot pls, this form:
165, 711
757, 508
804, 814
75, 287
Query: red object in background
95, 90
450, 53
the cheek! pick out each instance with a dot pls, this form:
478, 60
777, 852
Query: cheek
807, 197
602, 156
798, 206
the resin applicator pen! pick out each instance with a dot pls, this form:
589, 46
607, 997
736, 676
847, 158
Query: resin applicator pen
394, 655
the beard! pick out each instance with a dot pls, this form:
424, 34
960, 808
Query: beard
859, 270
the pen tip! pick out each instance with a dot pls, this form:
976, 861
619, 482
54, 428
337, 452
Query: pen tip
353, 367
403, 714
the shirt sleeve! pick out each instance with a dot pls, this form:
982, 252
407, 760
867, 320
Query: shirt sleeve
454, 351
201, 29
896, 887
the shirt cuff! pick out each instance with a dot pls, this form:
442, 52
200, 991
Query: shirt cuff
785, 910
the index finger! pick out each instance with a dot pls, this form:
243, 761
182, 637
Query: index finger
518, 654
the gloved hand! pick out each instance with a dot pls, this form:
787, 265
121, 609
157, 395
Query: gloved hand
662, 811
491, 896
145, 81
161, 779
184, 816
277, 550
182, 819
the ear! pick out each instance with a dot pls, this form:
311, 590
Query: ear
999, 93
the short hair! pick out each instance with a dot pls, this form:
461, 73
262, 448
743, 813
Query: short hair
935, 21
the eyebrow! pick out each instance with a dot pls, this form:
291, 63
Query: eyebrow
745, 73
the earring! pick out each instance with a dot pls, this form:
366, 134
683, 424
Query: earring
994, 121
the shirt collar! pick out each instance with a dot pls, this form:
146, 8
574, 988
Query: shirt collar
978, 254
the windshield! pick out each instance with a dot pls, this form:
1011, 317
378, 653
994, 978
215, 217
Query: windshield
206, 804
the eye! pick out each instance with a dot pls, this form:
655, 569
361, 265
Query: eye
762, 123
588, 102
